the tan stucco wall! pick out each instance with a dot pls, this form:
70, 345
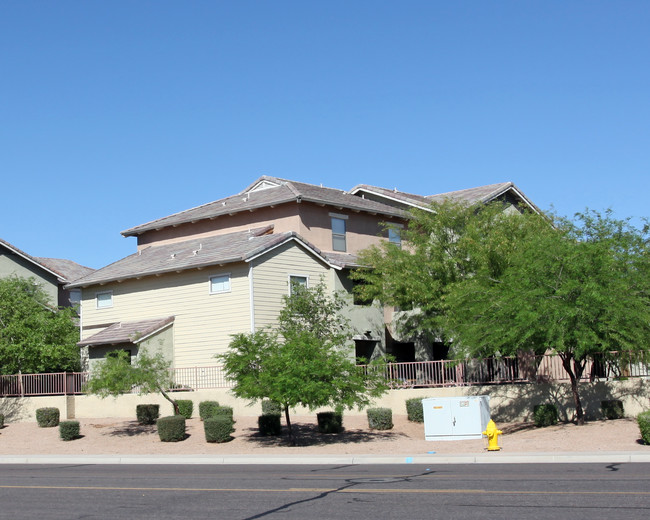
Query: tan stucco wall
507, 402
311, 221
284, 217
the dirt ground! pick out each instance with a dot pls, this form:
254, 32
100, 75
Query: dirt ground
125, 436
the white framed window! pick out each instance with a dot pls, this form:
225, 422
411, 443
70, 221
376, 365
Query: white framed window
297, 279
104, 300
338, 233
220, 283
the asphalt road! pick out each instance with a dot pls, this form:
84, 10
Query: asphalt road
576, 491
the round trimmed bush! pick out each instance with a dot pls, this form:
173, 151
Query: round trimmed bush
185, 407
47, 417
171, 428
380, 418
643, 420
206, 409
271, 407
147, 413
545, 415
612, 409
218, 429
69, 430
269, 424
414, 409
329, 422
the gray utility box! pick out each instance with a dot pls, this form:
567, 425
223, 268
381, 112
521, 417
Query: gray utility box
455, 418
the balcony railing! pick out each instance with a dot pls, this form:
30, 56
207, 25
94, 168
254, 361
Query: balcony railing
525, 368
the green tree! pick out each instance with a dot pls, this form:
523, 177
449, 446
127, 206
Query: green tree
35, 336
491, 282
305, 361
115, 375
579, 288
435, 255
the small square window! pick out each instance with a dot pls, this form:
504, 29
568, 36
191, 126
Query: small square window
220, 284
104, 300
295, 280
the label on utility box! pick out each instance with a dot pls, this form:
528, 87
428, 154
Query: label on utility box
464, 404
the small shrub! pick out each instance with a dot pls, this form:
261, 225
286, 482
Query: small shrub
269, 424
218, 429
545, 415
329, 422
185, 407
223, 411
147, 413
271, 407
380, 418
171, 428
206, 409
47, 417
69, 430
2, 421
643, 420
414, 409
612, 409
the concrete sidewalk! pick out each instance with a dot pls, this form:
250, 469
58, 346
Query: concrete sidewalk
613, 457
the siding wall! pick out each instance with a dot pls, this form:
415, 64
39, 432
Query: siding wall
271, 279
13, 265
203, 321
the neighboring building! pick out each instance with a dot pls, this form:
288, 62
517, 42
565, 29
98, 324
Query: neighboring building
201, 275
51, 273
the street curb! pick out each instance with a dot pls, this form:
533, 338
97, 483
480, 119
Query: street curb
429, 458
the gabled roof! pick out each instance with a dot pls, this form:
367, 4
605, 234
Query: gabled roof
265, 192
480, 194
240, 246
63, 270
68, 269
127, 332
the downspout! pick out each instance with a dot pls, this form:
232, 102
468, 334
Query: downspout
251, 292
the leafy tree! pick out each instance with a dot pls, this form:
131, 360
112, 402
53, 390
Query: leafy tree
35, 336
115, 375
497, 282
435, 255
579, 288
305, 361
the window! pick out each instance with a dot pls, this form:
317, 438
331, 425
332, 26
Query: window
75, 297
295, 280
115, 354
394, 236
220, 284
338, 234
104, 300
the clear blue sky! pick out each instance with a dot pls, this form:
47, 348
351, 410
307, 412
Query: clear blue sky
115, 113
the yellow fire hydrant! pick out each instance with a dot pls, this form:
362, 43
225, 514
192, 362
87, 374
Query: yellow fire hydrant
492, 434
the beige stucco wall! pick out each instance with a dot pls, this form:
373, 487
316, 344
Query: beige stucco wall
311, 221
507, 402
284, 217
